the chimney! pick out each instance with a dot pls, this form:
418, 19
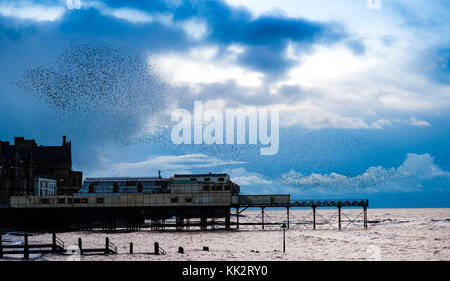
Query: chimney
18, 140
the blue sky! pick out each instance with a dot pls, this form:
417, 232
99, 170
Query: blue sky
363, 94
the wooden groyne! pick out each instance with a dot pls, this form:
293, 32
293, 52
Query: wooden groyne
57, 246
109, 248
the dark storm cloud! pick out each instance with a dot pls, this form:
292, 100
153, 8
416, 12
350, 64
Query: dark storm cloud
92, 25
153, 5
265, 37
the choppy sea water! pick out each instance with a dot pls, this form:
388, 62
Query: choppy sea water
392, 234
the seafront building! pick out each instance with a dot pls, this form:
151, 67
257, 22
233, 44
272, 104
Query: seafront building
24, 161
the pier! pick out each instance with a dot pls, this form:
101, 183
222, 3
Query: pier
177, 218
313, 204
178, 203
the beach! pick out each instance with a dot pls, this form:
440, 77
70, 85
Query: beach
392, 234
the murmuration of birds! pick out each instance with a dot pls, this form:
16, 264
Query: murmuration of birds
103, 91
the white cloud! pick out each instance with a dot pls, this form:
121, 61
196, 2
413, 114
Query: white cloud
196, 28
419, 123
30, 11
199, 66
407, 177
130, 14
381, 123
315, 117
421, 166
242, 177
168, 164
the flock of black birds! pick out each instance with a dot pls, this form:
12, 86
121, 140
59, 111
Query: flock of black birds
105, 91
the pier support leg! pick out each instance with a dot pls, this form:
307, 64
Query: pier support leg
227, 218
287, 214
106, 246
54, 242
156, 248
80, 246
262, 217
365, 217
314, 217
213, 222
339, 217
187, 223
179, 223
26, 249
203, 222
237, 218
1, 246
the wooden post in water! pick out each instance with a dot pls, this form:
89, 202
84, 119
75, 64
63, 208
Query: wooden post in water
106, 246
26, 249
156, 248
131, 247
284, 237
80, 245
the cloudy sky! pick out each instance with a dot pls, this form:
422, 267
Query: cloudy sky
363, 90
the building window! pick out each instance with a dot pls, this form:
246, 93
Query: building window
61, 200
100, 200
76, 201
91, 188
45, 201
115, 187
226, 187
131, 183
140, 187
221, 179
70, 200
207, 179
206, 187
84, 200
174, 200
188, 199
